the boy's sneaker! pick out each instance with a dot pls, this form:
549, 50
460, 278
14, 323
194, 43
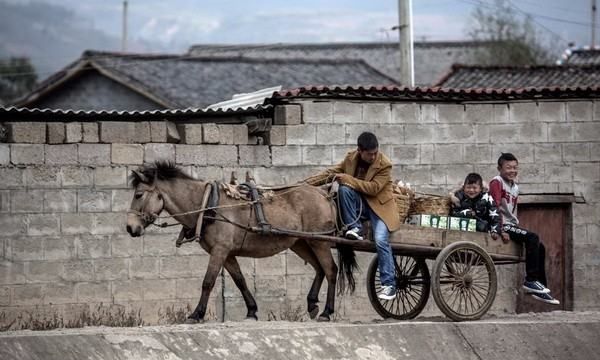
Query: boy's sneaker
354, 234
388, 292
535, 287
547, 298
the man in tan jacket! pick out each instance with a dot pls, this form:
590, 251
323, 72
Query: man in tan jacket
365, 192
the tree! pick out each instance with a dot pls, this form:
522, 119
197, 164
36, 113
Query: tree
511, 39
17, 77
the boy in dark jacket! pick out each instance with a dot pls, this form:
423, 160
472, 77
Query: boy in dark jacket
473, 202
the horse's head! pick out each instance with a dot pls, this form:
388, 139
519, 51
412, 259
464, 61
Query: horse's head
146, 204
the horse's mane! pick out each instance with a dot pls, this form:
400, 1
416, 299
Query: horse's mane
161, 170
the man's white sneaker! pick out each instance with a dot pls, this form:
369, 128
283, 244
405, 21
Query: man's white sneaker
354, 234
388, 292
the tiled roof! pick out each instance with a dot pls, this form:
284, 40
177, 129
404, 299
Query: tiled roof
187, 81
499, 77
437, 94
583, 56
432, 59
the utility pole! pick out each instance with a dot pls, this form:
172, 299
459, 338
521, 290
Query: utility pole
124, 34
407, 76
593, 44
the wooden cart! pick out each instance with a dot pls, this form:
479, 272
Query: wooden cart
463, 276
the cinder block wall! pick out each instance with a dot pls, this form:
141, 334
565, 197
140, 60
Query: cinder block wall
64, 194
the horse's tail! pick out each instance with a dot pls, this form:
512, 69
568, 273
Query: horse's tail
346, 265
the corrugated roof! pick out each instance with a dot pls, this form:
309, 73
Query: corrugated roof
502, 77
581, 56
436, 93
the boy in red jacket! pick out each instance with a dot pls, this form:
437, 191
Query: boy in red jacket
505, 192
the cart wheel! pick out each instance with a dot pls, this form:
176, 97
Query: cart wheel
412, 288
464, 281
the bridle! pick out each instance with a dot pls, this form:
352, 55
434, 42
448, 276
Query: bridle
146, 217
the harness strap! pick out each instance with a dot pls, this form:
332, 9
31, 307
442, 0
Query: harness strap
209, 196
265, 227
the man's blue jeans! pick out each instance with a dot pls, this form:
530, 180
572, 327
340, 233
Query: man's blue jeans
351, 203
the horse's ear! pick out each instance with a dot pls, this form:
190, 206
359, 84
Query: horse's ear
140, 176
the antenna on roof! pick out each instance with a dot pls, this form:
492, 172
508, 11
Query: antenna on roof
124, 35
593, 44
407, 77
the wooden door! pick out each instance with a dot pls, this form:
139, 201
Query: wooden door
550, 222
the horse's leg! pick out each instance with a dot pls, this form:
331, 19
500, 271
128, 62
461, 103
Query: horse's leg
322, 252
215, 264
233, 267
302, 249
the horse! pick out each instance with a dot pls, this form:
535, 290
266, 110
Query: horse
163, 186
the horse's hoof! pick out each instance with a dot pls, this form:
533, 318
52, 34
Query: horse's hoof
323, 318
313, 312
193, 321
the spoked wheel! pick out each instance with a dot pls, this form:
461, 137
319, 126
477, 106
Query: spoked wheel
464, 281
412, 288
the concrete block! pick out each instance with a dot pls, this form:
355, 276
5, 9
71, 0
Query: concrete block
90, 292
426, 153
270, 286
5, 296
290, 155
331, 134
594, 153
163, 152
191, 155
27, 154
277, 135
428, 114
523, 152
450, 113
409, 113
93, 247
240, 134
121, 199
61, 154
125, 132
4, 202
225, 155
586, 172
74, 132
111, 269
58, 201
345, 112
25, 249
158, 131
94, 154
190, 133
4, 154
317, 155
557, 174
257, 155
405, 154
353, 131
523, 112
479, 114
209, 173
340, 151
547, 153
173, 135
109, 223
13, 224
182, 266
44, 271
419, 134
448, 154
27, 132
59, 248
478, 154
501, 114
90, 132
533, 132
561, 132
72, 176
287, 115
43, 224
74, 224
28, 295
78, 270
43, 177
552, 111
159, 289
56, 133
143, 267
587, 131
112, 177
377, 113
301, 135
272, 265
579, 111
210, 134
317, 112
388, 134
503, 132
132, 154
126, 246
128, 290
158, 245
575, 152
94, 201
11, 178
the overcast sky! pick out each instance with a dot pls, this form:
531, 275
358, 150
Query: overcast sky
180, 23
